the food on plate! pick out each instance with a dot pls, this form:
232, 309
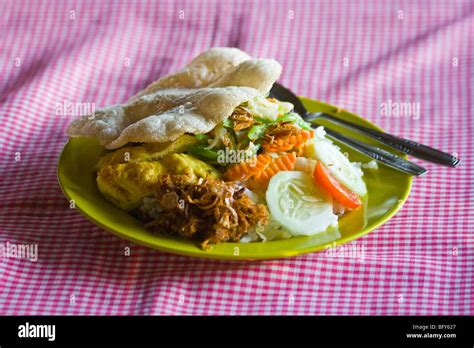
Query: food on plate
206, 155
299, 205
126, 184
209, 210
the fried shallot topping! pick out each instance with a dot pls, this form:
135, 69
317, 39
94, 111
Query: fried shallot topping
241, 119
280, 130
210, 211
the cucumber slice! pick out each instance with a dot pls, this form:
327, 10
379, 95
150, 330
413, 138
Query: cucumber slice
298, 204
339, 166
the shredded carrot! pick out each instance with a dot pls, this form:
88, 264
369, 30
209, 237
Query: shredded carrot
284, 162
247, 169
287, 143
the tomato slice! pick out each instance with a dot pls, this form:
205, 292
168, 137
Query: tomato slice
341, 194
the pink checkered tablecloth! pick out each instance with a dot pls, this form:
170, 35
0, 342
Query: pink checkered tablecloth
356, 54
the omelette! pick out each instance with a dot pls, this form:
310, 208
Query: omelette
126, 184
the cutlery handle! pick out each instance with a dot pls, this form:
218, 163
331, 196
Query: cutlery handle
405, 145
379, 154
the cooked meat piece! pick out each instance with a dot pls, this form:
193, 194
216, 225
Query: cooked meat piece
210, 211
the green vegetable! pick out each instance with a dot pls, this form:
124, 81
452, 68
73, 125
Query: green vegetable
290, 117
257, 132
295, 118
263, 120
202, 137
200, 150
228, 123
243, 142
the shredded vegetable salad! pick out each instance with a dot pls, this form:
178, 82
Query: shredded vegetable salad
303, 179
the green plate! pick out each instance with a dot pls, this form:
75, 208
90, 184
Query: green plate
387, 191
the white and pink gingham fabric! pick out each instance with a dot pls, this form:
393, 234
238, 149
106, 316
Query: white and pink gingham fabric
355, 54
